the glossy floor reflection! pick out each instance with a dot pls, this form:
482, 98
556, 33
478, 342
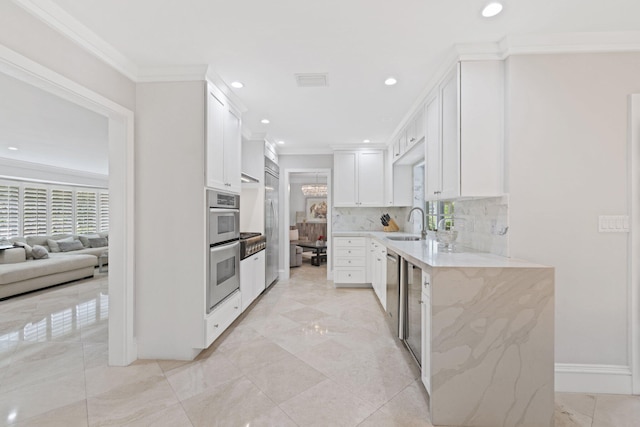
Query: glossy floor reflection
305, 354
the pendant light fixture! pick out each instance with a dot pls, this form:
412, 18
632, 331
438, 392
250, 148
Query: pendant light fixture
315, 190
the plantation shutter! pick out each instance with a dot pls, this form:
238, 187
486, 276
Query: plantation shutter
61, 211
9, 211
34, 211
86, 212
104, 212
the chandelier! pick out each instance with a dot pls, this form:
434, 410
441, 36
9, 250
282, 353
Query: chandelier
315, 190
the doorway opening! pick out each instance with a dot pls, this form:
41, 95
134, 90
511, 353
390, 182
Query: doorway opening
307, 220
121, 344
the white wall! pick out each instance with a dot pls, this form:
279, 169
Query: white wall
30, 37
567, 164
170, 216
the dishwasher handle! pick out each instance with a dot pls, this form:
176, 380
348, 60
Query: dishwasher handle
392, 258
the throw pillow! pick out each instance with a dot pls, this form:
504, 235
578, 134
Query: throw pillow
76, 245
53, 244
85, 239
40, 252
99, 242
27, 248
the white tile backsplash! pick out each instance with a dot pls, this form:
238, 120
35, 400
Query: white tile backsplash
486, 224
367, 219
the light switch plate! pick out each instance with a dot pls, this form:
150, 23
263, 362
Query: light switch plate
613, 223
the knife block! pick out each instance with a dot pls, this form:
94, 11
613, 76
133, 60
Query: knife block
391, 227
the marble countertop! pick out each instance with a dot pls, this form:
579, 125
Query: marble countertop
425, 253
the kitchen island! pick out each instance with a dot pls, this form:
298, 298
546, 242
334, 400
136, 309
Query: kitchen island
490, 358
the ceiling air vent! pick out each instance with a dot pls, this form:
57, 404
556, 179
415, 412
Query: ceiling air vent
311, 80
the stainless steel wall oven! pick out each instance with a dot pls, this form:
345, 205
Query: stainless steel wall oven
223, 269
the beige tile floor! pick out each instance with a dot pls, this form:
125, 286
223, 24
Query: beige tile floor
305, 354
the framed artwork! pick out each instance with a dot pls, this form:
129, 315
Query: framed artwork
316, 209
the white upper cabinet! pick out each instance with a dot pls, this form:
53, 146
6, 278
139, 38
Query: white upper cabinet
358, 178
223, 144
464, 129
433, 169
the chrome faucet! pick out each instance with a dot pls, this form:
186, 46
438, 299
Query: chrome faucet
423, 233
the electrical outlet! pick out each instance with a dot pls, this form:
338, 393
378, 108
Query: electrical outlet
613, 224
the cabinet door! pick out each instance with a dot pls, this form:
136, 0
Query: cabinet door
215, 142
370, 178
344, 175
388, 177
450, 137
232, 154
426, 331
433, 169
420, 125
246, 282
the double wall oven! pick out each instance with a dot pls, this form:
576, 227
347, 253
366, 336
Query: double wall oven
223, 224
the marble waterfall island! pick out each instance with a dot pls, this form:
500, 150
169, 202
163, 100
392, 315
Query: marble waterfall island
492, 347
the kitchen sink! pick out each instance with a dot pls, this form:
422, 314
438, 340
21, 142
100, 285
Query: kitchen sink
404, 238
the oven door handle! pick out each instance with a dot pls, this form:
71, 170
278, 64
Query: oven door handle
225, 246
223, 211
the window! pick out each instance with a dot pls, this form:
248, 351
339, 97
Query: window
34, 208
29, 209
103, 211
86, 212
436, 211
61, 211
9, 211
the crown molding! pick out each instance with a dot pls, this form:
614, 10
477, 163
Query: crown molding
362, 146
172, 74
58, 19
21, 169
526, 44
253, 136
217, 81
299, 151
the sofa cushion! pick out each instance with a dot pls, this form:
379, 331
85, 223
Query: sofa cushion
53, 243
28, 249
99, 242
12, 256
39, 252
84, 238
10, 273
38, 240
70, 246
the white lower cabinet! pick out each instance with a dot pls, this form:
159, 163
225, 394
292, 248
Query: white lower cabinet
379, 271
350, 260
426, 331
252, 278
220, 318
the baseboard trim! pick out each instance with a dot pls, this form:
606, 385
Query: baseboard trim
582, 378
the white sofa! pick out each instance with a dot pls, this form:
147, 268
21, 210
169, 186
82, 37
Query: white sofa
18, 274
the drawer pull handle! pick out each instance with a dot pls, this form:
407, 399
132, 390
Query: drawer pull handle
216, 325
235, 308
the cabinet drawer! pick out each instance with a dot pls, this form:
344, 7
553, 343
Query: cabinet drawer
350, 261
349, 241
349, 275
350, 252
218, 320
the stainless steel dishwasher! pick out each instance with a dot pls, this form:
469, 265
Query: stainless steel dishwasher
393, 292
411, 309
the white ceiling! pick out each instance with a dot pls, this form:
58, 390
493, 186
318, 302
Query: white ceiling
357, 42
49, 130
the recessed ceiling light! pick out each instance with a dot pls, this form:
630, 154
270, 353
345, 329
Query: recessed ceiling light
265, 121
390, 81
237, 85
366, 140
13, 148
492, 9
281, 142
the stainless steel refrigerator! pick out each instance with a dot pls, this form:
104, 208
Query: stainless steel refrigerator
271, 188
